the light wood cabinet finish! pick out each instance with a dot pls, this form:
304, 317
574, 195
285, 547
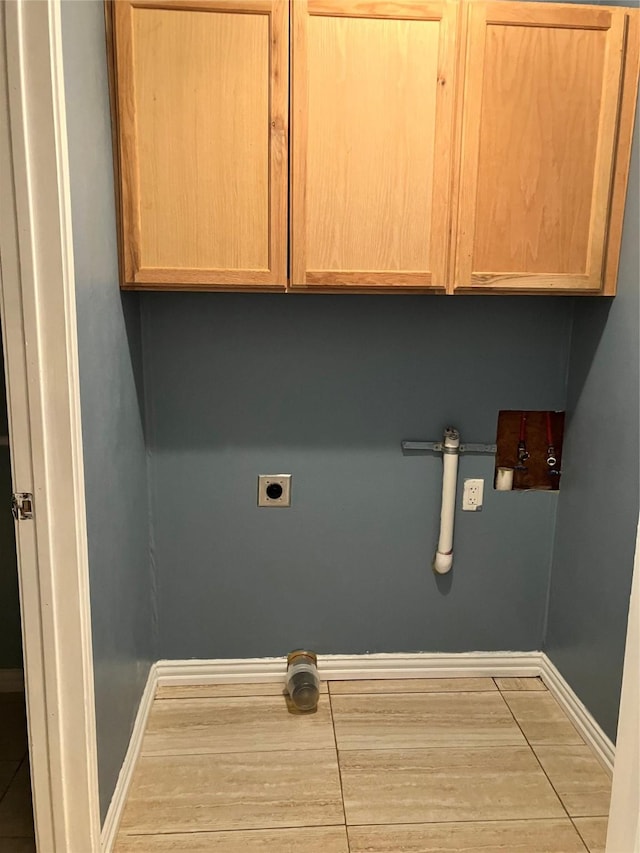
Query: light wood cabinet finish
202, 93
539, 120
372, 113
438, 145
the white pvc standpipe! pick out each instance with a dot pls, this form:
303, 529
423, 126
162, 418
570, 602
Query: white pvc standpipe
444, 555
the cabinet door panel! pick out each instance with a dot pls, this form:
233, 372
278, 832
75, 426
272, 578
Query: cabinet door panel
542, 86
371, 123
202, 90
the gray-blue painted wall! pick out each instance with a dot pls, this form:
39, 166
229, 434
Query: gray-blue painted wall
112, 403
326, 387
598, 505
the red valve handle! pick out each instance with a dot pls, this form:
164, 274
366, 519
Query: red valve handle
523, 426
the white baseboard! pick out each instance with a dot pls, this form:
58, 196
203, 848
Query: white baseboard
176, 673
352, 667
586, 725
121, 791
11, 681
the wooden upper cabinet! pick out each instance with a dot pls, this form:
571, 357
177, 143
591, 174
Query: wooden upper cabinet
445, 145
540, 112
371, 123
202, 122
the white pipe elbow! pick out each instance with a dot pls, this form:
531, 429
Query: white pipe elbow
442, 563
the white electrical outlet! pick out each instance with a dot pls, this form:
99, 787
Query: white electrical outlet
472, 495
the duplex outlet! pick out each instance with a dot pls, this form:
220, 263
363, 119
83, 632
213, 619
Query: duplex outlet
472, 495
274, 490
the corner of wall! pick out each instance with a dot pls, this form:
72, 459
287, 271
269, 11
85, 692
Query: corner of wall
568, 340
149, 425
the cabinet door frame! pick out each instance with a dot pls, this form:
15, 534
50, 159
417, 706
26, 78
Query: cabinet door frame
133, 275
446, 11
540, 14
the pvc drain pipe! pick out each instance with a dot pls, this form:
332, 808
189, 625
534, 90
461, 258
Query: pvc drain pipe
444, 555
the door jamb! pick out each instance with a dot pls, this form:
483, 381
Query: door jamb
624, 814
37, 293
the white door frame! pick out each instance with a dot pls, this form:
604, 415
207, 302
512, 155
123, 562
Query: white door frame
39, 328
41, 366
623, 835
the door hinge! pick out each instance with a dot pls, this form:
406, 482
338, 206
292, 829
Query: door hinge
22, 505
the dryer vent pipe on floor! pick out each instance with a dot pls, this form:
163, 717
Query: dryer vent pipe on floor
303, 682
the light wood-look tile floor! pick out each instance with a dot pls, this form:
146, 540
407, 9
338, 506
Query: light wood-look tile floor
412, 766
16, 813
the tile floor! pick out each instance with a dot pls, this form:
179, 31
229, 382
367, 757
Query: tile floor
412, 766
16, 815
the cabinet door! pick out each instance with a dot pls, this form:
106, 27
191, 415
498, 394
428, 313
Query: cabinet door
372, 87
540, 109
202, 91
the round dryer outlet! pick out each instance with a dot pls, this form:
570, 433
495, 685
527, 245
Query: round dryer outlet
274, 490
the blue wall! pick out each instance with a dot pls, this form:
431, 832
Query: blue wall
326, 387
112, 403
598, 505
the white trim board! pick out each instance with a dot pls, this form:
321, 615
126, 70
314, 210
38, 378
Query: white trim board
624, 814
577, 712
353, 667
121, 790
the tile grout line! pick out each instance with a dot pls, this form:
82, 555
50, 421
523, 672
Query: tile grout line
582, 838
474, 747
582, 743
513, 820
415, 693
157, 755
553, 788
15, 773
343, 826
471, 747
543, 689
564, 715
244, 697
238, 829
13, 836
335, 740
386, 681
338, 695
